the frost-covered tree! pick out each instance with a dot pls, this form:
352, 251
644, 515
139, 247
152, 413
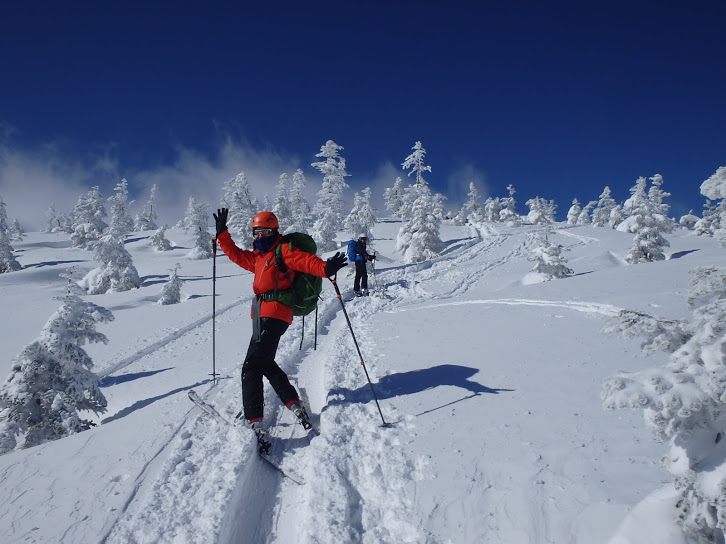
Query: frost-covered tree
159, 241
121, 223
415, 162
472, 210
283, 206
656, 196
492, 209
541, 211
146, 218
8, 262
237, 197
637, 201
88, 215
51, 379
51, 216
685, 400
714, 188
117, 271
196, 223
419, 239
689, 220
616, 216
508, 214
393, 197
649, 223
548, 258
603, 208
328, 209
171, 292
574, 212
585, 217
302, 218
362, 217
16, 231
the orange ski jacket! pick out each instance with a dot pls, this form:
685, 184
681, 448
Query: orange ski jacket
264, 267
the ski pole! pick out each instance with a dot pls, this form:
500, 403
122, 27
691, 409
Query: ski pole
350, 326
214, 309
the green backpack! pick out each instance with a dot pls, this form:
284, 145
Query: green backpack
305, 289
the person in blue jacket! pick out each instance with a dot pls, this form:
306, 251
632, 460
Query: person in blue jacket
360, 284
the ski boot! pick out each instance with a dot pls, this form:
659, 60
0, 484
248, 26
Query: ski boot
301, 415
263, 446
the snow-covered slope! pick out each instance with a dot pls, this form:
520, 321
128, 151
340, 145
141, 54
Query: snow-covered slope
491, 387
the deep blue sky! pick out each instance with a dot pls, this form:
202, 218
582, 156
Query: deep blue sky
557, 98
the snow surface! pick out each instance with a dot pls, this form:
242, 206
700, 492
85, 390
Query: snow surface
491, 385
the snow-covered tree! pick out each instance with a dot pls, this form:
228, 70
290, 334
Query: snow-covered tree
146, 219
685, 400
283, 206
117, 271
415, 161
548, 258
616, 216
472, 210
508, 214
574, 212
689, 220
121, 223
714, 188
8, 262
492, 209
419, 239
159, 241
656, 196
541, 211
51, 379
171, 292
237, 197
362, 217
302, 218
329, 208
585, 217
393, 197
196, 223
51, 216
16, 231
603, 208
88, 215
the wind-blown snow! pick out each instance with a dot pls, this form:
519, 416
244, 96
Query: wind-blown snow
491, 386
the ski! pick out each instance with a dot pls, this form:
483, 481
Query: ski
214, 414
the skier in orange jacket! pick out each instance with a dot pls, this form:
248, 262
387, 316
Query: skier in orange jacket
270, 318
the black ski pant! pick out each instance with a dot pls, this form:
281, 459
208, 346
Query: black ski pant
361, 276
259, 362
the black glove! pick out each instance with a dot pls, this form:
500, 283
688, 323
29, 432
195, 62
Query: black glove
220, 218
335, 263
371, 257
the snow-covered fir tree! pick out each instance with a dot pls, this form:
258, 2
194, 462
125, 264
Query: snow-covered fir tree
603, 208
574, 212
352, 222
121, 223
548, 258
302, 218
393, 197
657, 196
196, 223
117, 271
16, 231
159, 241
541, 211
685, 400
472, 210
51, 216
171, 292
237, 196
283, 206
689, 220
492, 209
714, 188
616, 216
146, 218
362, 217
419, 239
637, 200
648, 224
8, 262
508, 214
51, 379
415, 162
329, 208
88, 215
585, 217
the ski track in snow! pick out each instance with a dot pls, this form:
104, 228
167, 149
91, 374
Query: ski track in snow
348, 468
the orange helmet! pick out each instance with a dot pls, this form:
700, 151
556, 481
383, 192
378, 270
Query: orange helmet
265, 219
